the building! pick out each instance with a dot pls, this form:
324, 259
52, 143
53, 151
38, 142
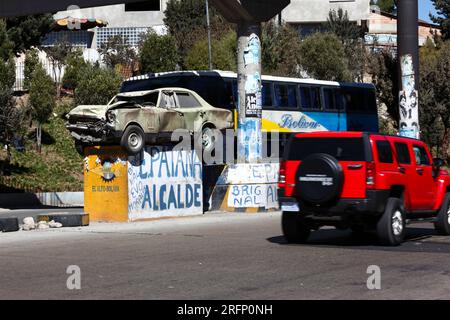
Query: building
312, 19
382, 31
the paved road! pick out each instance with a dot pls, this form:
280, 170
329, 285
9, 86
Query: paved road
220, 256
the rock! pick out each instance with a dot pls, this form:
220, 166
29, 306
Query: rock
43, 225
53, 224
28, 221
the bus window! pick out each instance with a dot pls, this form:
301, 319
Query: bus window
315, 98
267, 94
340, 100
328, 99
285, 96
370, 100
305, 97
354, 99
230, 99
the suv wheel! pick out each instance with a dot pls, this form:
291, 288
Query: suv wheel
295, 230
442, 224
391, 228
133, 139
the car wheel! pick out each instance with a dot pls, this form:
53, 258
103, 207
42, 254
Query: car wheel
295, 230
133, 139
391, 228
79, 147
208, 139
442, 224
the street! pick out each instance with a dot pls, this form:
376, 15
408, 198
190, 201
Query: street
219, 256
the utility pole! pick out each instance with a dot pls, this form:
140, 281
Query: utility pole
208, 23
408, 57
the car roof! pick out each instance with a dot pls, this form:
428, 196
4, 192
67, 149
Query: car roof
147, 92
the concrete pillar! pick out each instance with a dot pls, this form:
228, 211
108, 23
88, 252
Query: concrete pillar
408, 53
249, 88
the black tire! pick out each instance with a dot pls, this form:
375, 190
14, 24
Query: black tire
442, 224
295, 230
391, 228
133, 139
80, 148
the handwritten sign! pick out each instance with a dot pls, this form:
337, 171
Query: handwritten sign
165, 183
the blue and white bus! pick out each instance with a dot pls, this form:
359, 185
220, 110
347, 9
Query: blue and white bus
290, 105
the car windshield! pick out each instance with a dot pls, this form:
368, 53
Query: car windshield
344, 149
145, 100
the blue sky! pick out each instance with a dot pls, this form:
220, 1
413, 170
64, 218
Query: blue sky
425, 6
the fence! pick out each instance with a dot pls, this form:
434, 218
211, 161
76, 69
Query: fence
20, 73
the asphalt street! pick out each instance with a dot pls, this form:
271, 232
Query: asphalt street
219, 256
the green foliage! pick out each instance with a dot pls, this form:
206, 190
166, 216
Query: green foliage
280, 49
28, 31
57, 168
6, 45
7, 74
117, 52
322, 56
42, 95
75, 69
31, 63
223, 54
382, 66
443, 16
158, 53
434, 98
97, 86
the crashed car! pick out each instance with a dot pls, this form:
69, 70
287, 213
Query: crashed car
134, 119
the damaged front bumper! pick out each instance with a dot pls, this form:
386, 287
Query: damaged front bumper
89, 131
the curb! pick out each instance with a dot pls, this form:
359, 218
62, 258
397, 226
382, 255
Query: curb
9, 224
66, 219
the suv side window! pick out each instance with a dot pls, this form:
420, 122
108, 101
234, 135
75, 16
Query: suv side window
384, 151
422, 158
403, 156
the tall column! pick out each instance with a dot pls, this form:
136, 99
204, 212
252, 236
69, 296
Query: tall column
408, 54
249, 88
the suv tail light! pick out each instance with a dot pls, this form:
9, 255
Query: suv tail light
282, 175
370, 175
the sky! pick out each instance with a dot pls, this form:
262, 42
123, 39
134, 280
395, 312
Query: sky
425, 6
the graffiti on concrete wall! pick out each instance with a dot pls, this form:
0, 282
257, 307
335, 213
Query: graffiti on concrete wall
165, 182
408, 100
253, 196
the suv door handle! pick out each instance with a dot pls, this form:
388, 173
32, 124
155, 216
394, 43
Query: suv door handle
354, 166
419, 170
402, 170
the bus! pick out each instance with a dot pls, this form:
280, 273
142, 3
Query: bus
290, 105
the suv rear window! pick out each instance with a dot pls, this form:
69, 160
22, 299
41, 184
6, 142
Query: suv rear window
343, 149
384, 151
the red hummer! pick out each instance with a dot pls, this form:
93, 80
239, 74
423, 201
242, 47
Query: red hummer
361, 181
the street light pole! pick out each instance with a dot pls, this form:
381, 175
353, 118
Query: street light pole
209, 36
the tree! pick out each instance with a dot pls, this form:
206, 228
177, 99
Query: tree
42, 99
280, 50
28, 31
6, 45
443, 16
351, 36
388, 6
435, 96
116, 53
58, 55
158, 53
322, 56
186, 22
223, 54
382, 66
75, 69
97, 86
31, 63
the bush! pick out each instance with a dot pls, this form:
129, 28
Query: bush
97, 86
223, 54
322, 56
158, 53
75, 69
31, 62
42, 95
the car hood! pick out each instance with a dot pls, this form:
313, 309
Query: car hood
98, 111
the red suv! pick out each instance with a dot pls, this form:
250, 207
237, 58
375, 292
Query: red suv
361, 181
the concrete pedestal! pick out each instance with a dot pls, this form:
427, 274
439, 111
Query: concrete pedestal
158, 183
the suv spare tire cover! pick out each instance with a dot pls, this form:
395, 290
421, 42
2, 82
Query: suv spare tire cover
319, 179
